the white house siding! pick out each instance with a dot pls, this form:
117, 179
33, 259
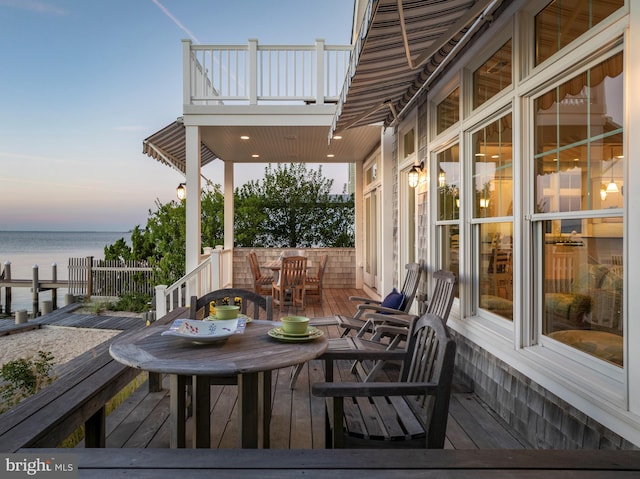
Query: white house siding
555, 398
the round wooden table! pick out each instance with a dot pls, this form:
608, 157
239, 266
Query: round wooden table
250, 357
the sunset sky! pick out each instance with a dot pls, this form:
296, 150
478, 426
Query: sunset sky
83, 82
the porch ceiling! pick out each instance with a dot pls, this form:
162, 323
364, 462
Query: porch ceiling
273, 144
389, 71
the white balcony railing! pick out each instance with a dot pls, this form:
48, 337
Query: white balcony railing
214, 272
257, 74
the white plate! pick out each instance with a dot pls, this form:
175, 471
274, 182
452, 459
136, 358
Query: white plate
198, 331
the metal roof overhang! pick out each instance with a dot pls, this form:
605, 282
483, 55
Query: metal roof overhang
168, 147
402, 46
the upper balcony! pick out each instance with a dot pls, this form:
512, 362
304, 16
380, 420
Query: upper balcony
256, 74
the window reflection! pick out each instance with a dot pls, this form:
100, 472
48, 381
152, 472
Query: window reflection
493, 76
495, 273
583, 287
492, 169
450, 251
562, 21
448, 111
579, 143
448, 165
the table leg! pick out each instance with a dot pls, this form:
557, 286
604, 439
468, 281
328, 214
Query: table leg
265, 401
177, 411
201, 411
248, 417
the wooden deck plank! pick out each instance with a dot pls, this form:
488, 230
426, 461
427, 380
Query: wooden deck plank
483, 464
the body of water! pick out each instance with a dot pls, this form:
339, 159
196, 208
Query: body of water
24, 249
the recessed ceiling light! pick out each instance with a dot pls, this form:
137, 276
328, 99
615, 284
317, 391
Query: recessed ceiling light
495, 156
337, 137
244, 137
331, 155
479, 154
255, 155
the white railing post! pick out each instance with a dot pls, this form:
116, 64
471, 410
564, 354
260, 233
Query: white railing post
320, 72
186, 72
215, 261
161, 300
253, 71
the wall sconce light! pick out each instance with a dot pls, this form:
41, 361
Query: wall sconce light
603, 192
414, 174
442, 178
484, 202
181, 191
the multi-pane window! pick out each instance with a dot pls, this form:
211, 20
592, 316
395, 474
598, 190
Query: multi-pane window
578, 142
562, 21
492, 76
578, 187
492, 190
448, 111
448, 204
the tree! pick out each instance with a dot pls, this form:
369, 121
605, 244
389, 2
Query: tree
292, 206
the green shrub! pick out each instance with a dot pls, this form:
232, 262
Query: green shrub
24, 377
134, 302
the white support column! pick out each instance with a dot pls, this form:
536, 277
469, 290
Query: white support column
193, 220
229, 208
387, 261
359, 223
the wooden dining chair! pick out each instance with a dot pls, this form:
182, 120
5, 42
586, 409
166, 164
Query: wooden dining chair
314, 283
290, 288
261, 282
410, 412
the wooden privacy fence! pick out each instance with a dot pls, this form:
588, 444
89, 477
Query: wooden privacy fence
88, 276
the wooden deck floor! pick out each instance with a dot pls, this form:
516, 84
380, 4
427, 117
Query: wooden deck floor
142, 421
297, 416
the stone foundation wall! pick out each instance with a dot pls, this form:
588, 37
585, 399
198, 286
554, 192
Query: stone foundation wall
545, 420
340, 271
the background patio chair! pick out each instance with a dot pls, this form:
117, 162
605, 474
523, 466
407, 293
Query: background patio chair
369, 305
290, 288
314, 283
261, 282
412, 411
396, 327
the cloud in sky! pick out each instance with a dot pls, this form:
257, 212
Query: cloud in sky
37, 7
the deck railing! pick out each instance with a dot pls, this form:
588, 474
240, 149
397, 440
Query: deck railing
252, 74
215, 271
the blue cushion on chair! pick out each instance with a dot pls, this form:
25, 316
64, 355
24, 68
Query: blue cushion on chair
393, 300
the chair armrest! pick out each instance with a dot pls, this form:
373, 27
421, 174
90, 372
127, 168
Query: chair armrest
357, 389
388, 330
362, 299
403, 320
380, 351
362, 308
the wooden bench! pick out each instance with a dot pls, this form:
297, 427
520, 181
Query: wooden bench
78, 396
